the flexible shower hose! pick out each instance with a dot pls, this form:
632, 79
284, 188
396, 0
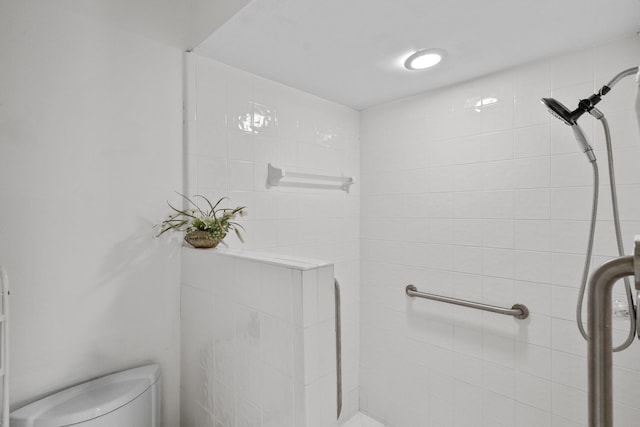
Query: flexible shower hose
616, 222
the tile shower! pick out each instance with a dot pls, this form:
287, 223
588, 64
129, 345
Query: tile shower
471, 191
476, 192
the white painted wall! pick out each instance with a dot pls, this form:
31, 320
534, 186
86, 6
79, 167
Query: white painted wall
228, 156
476, 192
90, 149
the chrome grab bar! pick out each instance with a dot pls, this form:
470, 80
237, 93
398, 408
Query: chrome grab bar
4, 343
338, 345
519, 311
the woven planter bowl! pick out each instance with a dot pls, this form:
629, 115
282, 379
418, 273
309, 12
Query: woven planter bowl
202, 239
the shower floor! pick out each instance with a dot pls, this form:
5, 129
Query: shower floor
361, 420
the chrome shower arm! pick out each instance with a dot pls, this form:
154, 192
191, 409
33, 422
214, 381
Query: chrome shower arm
587, 104
600, 343
622, 74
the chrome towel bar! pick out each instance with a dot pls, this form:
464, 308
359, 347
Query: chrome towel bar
519, 311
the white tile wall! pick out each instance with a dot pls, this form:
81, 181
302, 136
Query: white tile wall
258, 341
236, 124
498, 212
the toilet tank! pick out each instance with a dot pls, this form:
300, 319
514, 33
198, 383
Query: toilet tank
125, 399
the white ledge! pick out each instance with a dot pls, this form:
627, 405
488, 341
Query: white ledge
281, 260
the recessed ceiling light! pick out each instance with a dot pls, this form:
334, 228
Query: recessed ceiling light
423, 59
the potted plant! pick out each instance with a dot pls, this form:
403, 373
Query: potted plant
205, 228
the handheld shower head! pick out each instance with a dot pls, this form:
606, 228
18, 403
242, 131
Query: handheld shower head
558, 110
582, 141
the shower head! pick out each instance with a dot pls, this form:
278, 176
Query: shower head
585, 105
558, 110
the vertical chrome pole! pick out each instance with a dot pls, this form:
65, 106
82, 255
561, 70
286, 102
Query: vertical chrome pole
600, 342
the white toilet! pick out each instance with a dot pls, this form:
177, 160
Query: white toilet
125, 399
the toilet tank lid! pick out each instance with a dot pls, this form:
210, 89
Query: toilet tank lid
88, 400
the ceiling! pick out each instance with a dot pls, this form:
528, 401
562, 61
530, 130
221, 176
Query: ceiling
178, 23
350, 51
